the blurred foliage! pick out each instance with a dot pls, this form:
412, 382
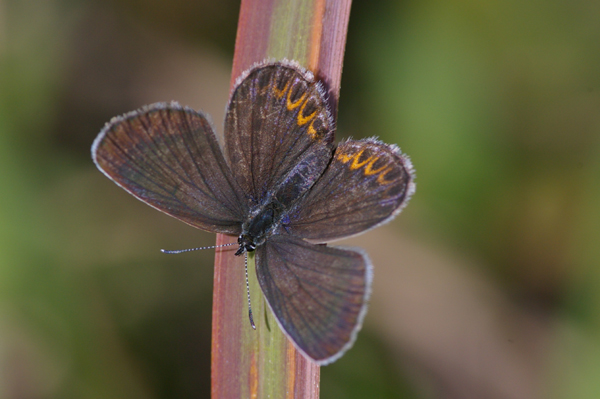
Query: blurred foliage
496, 102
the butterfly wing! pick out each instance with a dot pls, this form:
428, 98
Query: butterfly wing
168, 157
318, 294
366, 184
277, 114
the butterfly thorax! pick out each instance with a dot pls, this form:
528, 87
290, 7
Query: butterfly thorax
256, 229
278, 202
261, 224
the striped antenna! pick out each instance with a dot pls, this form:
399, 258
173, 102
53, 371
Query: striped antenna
248, 291
180, 251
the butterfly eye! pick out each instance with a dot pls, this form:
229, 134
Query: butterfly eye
246, 243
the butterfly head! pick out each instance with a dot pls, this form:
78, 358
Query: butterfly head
246, 242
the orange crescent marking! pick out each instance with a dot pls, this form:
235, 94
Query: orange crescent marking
355, 157
344, 157
311, 130
369, 171
302, 120
355, 164
384, 170
380, 178
292, 105
279, 93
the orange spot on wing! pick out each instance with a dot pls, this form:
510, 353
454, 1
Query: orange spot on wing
311, 130
293, 105
369, 171
356, 164
279, 93
381, 178
343, 157
302, 120
369, 162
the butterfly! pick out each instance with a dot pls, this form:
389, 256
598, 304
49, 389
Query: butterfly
280, 184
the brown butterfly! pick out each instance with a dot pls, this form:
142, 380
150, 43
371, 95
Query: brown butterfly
280, 185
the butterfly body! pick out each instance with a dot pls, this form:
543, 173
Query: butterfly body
274, 209
280, 185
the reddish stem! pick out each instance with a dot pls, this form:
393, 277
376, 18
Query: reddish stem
248, 363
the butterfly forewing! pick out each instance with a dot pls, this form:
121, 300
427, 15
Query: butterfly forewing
366, 184
168, 157
277, 113
317, 293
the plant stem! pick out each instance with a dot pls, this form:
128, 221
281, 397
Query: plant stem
263, 363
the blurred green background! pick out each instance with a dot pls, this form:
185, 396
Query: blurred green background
486, 286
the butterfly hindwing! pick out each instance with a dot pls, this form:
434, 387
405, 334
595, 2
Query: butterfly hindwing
276, 115
168, 157
317, 293
366, 184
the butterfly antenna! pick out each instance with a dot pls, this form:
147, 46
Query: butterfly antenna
180, 251
248, 291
